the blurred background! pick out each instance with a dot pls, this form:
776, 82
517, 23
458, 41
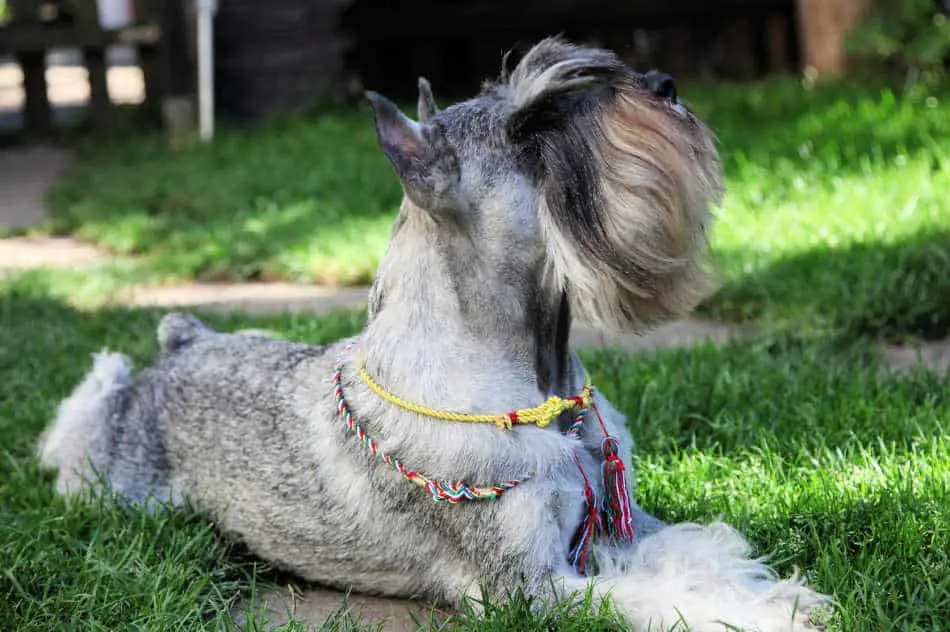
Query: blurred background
269, 57
152, 143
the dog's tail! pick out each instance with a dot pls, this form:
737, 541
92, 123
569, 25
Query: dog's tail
76, 442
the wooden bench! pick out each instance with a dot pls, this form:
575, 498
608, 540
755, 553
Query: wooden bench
40, 25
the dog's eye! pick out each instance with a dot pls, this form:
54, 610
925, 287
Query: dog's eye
666, 88
661, 84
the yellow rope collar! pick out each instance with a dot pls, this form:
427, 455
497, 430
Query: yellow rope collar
540, 415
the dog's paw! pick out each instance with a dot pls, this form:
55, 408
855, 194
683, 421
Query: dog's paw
808, 611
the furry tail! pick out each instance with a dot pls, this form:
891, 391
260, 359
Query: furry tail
76, 443
701, 579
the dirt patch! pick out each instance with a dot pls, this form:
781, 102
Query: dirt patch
259, 299
278, 298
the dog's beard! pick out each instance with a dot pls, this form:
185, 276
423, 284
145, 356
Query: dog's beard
627, 230
626, 178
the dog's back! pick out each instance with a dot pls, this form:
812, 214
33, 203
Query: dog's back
114, 428
244, 428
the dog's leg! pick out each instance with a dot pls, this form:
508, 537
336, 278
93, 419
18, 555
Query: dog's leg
702, 575
107, 428
77, 442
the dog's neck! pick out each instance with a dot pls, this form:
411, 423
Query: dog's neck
452, 330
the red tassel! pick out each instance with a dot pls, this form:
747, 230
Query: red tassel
583, 540
617, 511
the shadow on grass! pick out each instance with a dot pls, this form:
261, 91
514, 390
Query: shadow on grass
788, 394
883, 291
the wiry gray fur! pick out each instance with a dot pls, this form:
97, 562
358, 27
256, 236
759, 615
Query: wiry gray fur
569, 186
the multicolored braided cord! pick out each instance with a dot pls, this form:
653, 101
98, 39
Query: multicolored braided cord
451, 491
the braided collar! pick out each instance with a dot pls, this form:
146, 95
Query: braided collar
540, 415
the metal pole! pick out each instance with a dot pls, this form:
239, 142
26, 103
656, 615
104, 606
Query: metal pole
206, 10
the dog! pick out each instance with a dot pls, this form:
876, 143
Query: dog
570, 187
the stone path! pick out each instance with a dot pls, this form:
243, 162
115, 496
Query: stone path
934, 355
24, 253
259, 299
315, 605
26, 174
275, 298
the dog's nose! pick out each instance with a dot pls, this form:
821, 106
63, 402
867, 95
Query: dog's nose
661, 84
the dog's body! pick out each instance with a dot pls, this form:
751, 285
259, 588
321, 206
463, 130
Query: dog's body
570, 187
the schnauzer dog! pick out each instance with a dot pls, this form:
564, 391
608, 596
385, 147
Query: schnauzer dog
570, 187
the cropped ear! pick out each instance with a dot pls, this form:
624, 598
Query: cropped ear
426, 164
399, 136
427, 106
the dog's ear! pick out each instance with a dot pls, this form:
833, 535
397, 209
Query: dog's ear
427, 106
426, 164
399, 136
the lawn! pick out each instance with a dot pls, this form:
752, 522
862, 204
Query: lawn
827, 186
802, 443
835, 234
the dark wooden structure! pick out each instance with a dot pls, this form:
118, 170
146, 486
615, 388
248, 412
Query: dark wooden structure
456, 43
272, 56
40, 25
277, 55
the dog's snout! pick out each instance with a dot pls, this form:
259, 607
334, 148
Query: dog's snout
661, 84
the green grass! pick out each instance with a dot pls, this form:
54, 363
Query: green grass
837, 211
800, 442
308, 199
827, 188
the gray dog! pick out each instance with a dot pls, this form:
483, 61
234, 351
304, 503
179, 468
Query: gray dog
388, 464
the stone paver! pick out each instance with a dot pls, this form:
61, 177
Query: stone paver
260, 299
688, 332
276, 298
314, 606
23, 253
934, 356
26, 174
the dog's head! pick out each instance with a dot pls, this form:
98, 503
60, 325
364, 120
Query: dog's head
573, 171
